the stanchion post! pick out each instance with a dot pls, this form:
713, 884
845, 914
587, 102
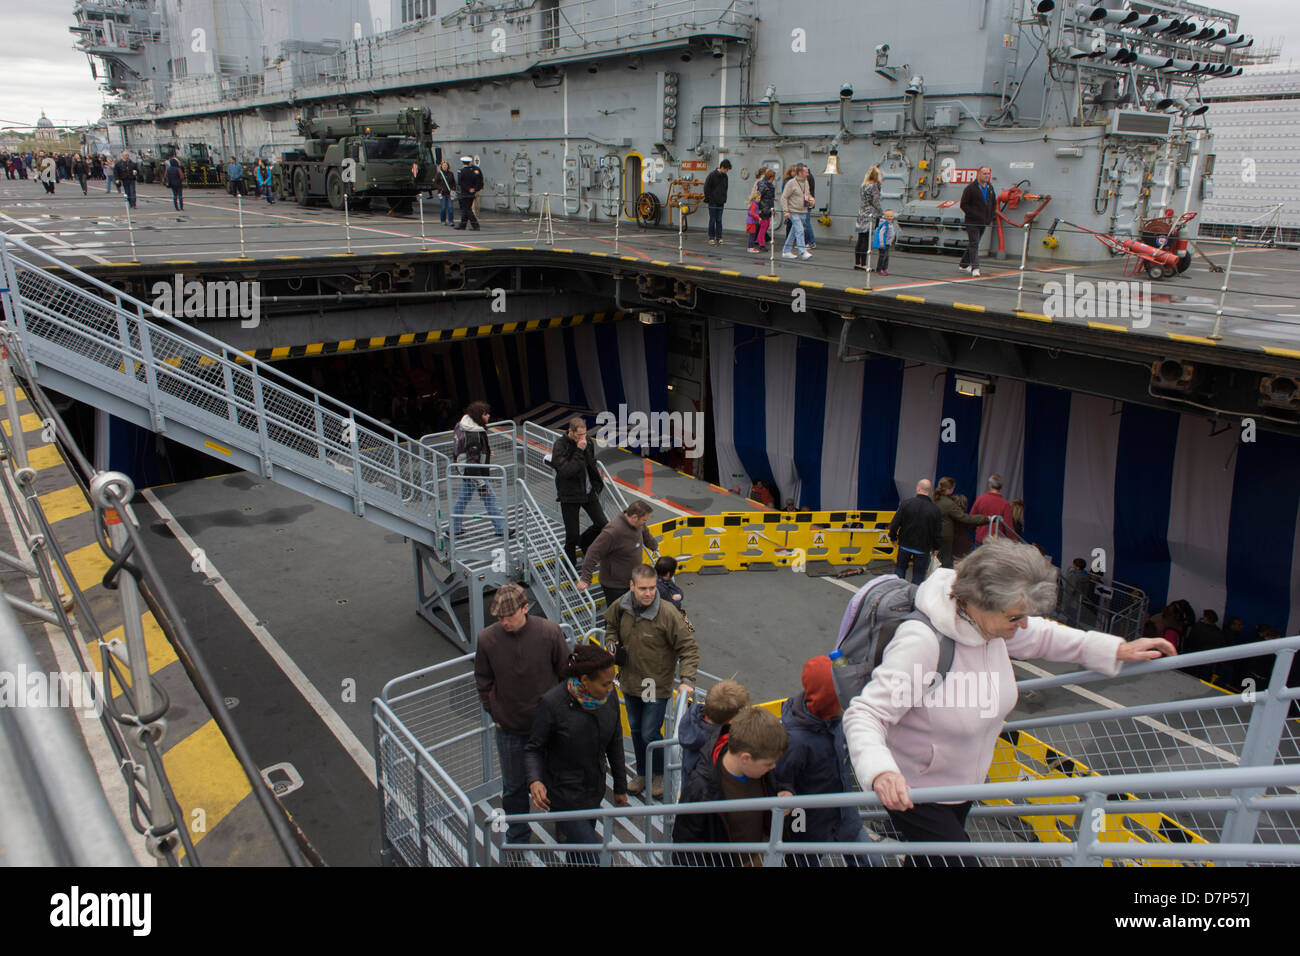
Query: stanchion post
771, 246
130, 231
681, 234
618, 215
1223, 291
423, 240
347, 223
871, 250
1024, 257
239, 201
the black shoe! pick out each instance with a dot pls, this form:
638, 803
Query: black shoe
474, 227
458, 227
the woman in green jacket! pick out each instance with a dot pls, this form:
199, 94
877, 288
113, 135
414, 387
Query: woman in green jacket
952, 515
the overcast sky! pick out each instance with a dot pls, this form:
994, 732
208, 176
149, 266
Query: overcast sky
44, 71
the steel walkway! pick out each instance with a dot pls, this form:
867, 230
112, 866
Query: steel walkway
92, 342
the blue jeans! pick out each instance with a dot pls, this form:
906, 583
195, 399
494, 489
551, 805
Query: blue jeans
920, 564
108, 183
808, 229
446, 211
647, 724
795, 234
514, 781
715, 221
128, 187
578, 831
467, 488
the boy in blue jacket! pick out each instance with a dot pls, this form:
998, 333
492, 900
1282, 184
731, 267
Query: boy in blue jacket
699, 728
817, 761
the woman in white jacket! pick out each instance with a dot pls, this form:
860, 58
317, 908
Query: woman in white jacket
904, 731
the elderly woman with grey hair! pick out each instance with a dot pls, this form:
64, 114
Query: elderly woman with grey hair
904, 730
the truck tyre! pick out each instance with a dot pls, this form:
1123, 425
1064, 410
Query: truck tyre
300, 186
334, 188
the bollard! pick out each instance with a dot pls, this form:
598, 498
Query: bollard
1223, 291
423, 241
1024, 255
771, 246
239, 201
347, 223
130, 231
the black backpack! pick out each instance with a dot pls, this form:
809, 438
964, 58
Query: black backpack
869, 624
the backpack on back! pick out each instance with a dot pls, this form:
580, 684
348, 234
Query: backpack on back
869, 624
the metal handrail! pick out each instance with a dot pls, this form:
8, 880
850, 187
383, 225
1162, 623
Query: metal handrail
1090, 793
176, 372
578, 606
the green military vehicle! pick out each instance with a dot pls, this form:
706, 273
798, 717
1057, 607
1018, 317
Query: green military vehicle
197, 164
360, 156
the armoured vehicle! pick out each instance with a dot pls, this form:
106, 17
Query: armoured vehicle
360, 156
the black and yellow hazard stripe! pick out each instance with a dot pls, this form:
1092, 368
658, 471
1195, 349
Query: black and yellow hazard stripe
204, 774
348, 346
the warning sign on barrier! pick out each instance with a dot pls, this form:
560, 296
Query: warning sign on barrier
819, 540
715, 544
751, 541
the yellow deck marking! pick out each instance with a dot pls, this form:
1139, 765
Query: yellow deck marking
280, 352
64, 503
88, 565
205, 775
812, 285
156, 645
968, 308
1285, 353
29, 422
910, 298
315, 349
1107, 327
1034, 316
220, 449
47, 456
1194, 339
377, 341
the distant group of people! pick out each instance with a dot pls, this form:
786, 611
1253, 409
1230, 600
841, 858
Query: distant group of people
934, 525
875, 228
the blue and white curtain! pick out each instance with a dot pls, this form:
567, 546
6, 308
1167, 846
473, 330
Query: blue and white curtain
1178, 508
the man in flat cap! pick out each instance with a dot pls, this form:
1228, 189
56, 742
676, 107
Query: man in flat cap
519, 658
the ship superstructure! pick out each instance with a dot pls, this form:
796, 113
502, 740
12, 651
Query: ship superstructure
622, 106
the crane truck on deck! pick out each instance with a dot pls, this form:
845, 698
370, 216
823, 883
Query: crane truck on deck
360, 156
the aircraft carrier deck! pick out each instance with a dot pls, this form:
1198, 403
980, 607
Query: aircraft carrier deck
307, 611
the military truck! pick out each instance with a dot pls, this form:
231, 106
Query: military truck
197, 164
360, 156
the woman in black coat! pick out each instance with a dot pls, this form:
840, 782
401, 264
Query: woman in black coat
577, 486
576, 733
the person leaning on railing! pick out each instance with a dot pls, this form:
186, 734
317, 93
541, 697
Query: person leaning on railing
900, 736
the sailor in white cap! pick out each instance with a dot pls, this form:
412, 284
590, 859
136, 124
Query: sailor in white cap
470, 182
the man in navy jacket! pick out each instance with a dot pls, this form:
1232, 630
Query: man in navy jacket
980, 204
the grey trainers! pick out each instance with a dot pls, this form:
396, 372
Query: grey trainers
635, 785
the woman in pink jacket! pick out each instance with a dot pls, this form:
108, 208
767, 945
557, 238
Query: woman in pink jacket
905, 731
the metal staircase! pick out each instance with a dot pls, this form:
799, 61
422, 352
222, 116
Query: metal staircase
475, 558
90, 341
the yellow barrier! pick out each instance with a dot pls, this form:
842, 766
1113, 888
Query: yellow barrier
1021, 756
767, 540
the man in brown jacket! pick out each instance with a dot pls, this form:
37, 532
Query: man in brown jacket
518, 659
617, 549
656, 640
